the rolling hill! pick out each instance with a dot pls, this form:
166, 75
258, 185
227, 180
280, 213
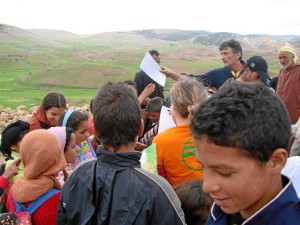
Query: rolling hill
41, 60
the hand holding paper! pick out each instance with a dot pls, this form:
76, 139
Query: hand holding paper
152, 69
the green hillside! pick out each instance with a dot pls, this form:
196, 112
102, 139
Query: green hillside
38, 61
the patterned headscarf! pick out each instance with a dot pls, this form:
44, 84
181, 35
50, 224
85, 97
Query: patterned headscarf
290, 50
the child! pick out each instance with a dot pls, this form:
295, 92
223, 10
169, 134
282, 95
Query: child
67, 139
11, 171
195, 203
78, 121
176, 154
241, 134
49, 113
42, 158
113, 189
153, 109
10, 144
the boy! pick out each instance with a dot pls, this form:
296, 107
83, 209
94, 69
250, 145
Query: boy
153, 109
113, 189
241, 134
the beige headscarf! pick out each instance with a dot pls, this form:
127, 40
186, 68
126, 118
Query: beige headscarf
290, 50
42, 158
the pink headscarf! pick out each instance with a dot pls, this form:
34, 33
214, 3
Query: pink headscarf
60, 133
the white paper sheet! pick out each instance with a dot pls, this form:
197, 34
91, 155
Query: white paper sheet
165, 120
151, 68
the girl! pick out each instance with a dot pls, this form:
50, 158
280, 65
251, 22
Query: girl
42, 158
67, 141
10, 144
49, 113
78, 121
176, 160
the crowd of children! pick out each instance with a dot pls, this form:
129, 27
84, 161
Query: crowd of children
221, 163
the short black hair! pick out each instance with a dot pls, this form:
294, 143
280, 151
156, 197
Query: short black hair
234, 45
74, 120
117, 116
11, 135
54, 99
247, 116
154, 104
153, 52
130, 82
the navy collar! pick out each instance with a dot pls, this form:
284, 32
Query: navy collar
286, 197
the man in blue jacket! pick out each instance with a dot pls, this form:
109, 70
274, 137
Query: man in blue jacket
241, 134
231, 55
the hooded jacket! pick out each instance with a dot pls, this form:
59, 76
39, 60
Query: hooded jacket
113, 190
39, 120
288, 90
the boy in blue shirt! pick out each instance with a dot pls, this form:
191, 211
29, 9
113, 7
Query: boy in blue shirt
241, 135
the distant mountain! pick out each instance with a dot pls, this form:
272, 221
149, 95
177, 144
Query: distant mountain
286, 37
295, 42
11, 33
252, 40
172, 34
151, 37
54, 35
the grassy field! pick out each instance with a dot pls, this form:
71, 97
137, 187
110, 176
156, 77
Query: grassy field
30, 69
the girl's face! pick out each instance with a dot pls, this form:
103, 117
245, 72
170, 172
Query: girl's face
71, 150
53, 115
16, 147
82, 132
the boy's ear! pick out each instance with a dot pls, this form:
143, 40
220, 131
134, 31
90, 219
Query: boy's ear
95, 133
278, 160
141, 130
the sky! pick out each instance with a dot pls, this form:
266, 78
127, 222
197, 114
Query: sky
96, 16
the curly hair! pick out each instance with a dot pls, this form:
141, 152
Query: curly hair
247, 116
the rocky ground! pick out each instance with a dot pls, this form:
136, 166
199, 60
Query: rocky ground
8, 115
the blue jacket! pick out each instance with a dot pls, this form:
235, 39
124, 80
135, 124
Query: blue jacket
284, 209
214, 78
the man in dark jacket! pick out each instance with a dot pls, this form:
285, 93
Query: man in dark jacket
113, 189
142, 80
231, 55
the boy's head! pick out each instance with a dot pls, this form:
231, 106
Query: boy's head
195, 203
131, 84
117, 116
153, 108
241, 134
12, 136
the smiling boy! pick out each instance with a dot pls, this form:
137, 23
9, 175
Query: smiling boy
241, 134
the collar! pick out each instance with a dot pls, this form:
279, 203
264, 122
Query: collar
285, 198
41, 116
127, 159
236, 74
